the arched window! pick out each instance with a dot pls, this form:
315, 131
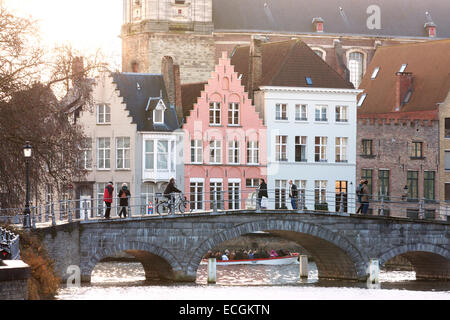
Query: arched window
320, 52
356, 67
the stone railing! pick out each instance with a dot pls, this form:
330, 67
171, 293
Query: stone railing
10, 243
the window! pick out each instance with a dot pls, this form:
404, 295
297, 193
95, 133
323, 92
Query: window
403, 68
196, 195
356, 67
320, 149
163, 155
375, 73
412, 181
103, 114
103, 153
366, 147
281, 148
234, 188
416, 150
366, 174
447, 192
383, 184
158, 114
361, 99
123, 153
49, 193
447, 128
341, 114
428, 185
340, 190
149, 155
252, 152
301, 113
300, 149
320, 53
320, 191
233, 114
214, 113
281, 111
87, 154
196, 151
252, 183
215, 151
321, 113
216, 194
100, 191
341, 149
233, 152
281, 189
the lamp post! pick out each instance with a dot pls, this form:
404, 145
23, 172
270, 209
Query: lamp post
27, 155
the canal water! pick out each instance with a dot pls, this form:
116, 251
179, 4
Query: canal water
126, 281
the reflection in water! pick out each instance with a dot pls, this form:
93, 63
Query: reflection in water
118, 281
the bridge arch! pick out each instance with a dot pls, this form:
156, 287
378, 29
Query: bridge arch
335, 256
158, 263
429, 261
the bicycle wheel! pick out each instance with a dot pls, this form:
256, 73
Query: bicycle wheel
182, 206
160, 208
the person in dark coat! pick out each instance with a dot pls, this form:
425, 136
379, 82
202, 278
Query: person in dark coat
358, 193
123, 195
262, 192
107, 198
365, 197
169, 190
293, 194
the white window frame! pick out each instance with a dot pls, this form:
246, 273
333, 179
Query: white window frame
215, 151
216, 184
215, 114
104, 153
342, 111
281, 148
159, 108
320, 190
233, 152
123, 153
299, 142
103, 113
281, 109
322, 145
197, 197
323, 113
87, 154
156, 154
234, 198
281, 194
253, 152
196, 151
341, 149
356, 75
233, 114
301, 112
149, 154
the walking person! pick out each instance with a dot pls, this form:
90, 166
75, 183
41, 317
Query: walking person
365, 197
293, 194
262, 192
123, 195
358, 193
107, 198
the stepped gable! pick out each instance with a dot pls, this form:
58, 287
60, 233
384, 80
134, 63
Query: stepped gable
398, 18
288, 64
189, 94
140, 90
426, 75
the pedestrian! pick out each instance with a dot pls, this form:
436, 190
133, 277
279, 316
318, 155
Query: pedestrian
293, 194
262, 192
123, 195
107, 198
365, 197
225, 255
358, 193
168, 192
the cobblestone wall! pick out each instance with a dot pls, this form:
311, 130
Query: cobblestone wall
14, 276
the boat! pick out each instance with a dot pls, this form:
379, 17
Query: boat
291, 259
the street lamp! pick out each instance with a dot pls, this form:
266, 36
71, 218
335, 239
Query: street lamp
27, 155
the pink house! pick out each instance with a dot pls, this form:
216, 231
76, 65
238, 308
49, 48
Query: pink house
225, 142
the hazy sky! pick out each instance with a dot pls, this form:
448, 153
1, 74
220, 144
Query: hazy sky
86, 24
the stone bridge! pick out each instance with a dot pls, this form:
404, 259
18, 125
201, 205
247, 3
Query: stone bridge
171, 247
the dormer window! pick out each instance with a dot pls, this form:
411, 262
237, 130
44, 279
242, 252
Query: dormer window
361, 100
375, 73
158, 113
403, 68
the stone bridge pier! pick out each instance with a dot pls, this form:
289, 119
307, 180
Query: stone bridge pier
171, 248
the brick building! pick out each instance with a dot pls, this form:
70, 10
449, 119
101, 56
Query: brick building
403, 119
344, 33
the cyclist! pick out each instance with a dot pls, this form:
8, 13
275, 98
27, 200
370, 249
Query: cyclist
169, 190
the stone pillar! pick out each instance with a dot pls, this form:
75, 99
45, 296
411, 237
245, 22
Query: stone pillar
303, 266
374, 271
211, 270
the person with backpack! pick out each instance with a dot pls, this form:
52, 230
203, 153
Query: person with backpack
365, 197
293, 194
123, 195
107, 198
358, 194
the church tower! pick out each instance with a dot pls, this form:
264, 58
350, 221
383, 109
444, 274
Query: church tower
181, 29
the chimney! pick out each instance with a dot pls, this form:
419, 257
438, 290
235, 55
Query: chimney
430, 29
317, 24
403, 87
341, 66
255, 65
77, 69
171, 76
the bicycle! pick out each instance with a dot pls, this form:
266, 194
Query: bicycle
181, 204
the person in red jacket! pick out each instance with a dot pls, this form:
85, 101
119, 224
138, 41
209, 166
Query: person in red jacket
107, 198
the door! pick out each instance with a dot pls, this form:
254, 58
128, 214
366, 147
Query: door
85, 207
